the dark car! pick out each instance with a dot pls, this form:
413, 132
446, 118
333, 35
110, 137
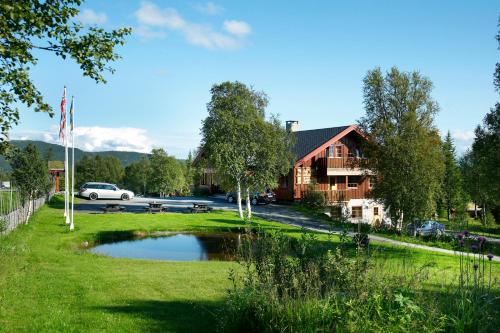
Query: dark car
256, 197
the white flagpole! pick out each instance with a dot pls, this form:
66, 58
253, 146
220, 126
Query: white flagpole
72, 115
66, 170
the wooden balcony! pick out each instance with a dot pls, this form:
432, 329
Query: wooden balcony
341, 195
342, 162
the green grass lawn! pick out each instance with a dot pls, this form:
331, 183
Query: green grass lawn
49, 282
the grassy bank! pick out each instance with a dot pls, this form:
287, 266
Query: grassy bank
49, 282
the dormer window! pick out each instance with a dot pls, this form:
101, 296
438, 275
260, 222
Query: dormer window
330, 151
338, 151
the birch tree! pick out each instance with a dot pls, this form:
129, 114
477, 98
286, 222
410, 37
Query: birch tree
247, 152
404, 146
30, 175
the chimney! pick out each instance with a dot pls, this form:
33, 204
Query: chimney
292, 125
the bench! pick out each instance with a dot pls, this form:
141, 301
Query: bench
200, 208
113, 208
154, 207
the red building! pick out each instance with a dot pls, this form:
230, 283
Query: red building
326, 162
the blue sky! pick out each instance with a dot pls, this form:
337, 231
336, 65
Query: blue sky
309, 57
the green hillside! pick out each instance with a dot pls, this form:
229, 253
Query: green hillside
126, 157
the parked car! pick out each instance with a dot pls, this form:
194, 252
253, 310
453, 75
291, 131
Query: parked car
257, 197
430, 228
94, 191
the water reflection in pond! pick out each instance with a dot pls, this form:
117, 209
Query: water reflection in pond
179, 247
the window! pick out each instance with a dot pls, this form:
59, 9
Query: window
351, 152
204, 179
333, 184
375, 211
356, 212
352, 181
370, 182
329, 151
338, 151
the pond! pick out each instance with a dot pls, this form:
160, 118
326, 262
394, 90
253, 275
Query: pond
178, 247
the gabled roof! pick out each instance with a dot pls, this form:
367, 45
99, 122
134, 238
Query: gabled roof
307, 141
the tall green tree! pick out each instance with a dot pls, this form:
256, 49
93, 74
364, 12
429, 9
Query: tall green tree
31, 26
404, 147
30, 175
273, 158
137, 175
247, 152
166, 175
483, 160
451, 190
107, 169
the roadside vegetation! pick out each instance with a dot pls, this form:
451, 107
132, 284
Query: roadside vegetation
47, 275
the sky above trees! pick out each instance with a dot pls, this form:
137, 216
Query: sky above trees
310, 58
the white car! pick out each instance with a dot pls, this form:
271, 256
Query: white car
94, 191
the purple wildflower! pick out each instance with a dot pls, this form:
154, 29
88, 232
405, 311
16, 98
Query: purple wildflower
461, 242
466, 233
481, 240
460, 236
490, 256
476, 266
473, 247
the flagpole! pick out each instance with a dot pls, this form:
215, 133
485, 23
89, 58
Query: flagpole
72, 110
66, 174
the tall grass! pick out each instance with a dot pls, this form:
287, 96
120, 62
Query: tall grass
304, 285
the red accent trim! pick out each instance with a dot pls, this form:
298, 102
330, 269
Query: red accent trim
329, 142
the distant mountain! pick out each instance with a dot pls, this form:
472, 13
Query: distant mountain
126, 157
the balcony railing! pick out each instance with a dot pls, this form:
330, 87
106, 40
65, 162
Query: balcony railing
340, 195
343, 162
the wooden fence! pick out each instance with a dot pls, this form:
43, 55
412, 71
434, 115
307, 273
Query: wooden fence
13, 212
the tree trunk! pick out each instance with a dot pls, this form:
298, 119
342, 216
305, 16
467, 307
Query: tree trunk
30, 203
249, 205
475, 211
238, 198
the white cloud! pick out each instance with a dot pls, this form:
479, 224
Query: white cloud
238, 28
150, 15
461, 135
208, 8
147, 33
97, 138
88, 16
463, 139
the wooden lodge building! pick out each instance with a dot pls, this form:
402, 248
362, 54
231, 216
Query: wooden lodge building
325, 162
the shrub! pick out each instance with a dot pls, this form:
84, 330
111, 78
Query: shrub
489, 219
201, 192
304, 285
315, 200
288, 285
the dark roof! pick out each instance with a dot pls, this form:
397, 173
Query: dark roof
307, 141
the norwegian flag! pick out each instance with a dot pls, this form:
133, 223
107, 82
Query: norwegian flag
62, 124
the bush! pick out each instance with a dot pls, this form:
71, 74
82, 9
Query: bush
289, 285
315, 200
201, 192
489, 218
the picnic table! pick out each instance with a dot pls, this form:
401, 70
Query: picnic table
112, 208
200, 208
155, 207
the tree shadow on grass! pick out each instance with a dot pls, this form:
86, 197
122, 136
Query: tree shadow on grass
170, 316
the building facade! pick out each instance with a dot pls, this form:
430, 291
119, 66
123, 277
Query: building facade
327, 161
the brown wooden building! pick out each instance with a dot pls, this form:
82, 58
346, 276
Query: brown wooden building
326, 161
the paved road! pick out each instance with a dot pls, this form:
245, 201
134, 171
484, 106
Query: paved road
273, 212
